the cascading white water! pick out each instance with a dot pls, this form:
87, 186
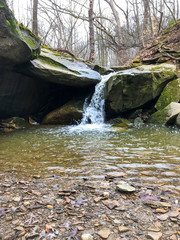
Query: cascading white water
94, 112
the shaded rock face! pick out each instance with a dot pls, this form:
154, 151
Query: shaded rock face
25, 96
31, 85
64, 70
68, 114
17, 43
133, 88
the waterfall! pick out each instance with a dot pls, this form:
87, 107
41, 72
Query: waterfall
94, 113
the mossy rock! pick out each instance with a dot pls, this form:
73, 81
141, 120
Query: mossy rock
15, 123
17, 43
57, 68
133, 88
171, 93
166, 116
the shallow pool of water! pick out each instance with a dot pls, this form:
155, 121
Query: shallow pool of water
146, 154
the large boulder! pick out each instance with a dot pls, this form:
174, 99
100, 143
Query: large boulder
70, 113
166, 116
133, 88
65, 70
17, 43
171, 93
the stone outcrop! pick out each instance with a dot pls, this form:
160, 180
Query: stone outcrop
25, 96
133, 88
171, 93
65, 70
17, 43
167, 116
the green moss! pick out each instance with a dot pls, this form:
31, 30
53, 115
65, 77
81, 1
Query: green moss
1, 6
30, 33
171, 93
136, 64
56, 53
46, 47
137, 60
156, 68
30, 42
159, 117
12, 24
171, 23
48, 61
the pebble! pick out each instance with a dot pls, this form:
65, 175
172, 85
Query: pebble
163, 217
19, 228
87, 236
173, 237
154, 229
157, 204
160, 210
154, 235
97, 199
173, 214
80, 228
104, 233
123, 229
115, 175
111, 204
125, 188
17, 199
106, 194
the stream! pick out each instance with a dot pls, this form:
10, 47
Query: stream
146, 154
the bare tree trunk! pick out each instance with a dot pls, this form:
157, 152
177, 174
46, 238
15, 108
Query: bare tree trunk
170, 10
35, 20
177, 3
91, 31
118, 30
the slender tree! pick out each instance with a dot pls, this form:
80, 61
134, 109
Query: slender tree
91, 31
35, 17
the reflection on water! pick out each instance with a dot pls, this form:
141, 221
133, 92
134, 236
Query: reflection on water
146, 154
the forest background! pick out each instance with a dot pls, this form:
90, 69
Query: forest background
106, 32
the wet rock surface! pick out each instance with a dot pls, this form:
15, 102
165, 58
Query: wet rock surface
50, 208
